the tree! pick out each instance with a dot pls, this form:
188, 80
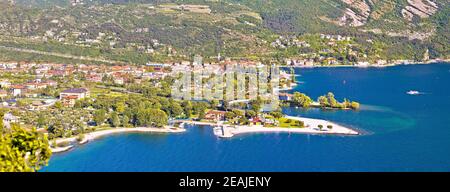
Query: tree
226, 105
114, 120
56, 130
320, 127
176, 109
230, 115
152, 117
41, 121
157, 117
323, 101
58, 105
214, 104
187, 107
331, 100
125, 121
238, 112
1, 121
301, 99
23, 151
251, 113
120, 107
100, 116
355, 105
201, 113
277, 114
256, 104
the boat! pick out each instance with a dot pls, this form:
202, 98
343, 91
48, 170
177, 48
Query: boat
412, 92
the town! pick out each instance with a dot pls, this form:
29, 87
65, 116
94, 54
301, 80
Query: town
66, 100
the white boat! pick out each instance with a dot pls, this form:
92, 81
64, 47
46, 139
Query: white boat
412, 92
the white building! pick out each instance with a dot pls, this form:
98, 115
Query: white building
8, 119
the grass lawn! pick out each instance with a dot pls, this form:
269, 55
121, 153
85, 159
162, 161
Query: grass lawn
289, 123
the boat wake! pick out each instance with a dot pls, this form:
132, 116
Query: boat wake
413, 92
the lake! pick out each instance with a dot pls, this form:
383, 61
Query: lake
402, 132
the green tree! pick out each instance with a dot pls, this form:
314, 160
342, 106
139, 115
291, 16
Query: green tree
23, 151
58, 105
256, 104
114, 119
355, 105
251, 113
301, 99
176, 109
187, 107
201, 113
230, 115
99, 116
41, 120
238, 112
120, 107
214, 104
125, 121
331, 100
323, 101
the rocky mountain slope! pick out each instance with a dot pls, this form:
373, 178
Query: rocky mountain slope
161, 29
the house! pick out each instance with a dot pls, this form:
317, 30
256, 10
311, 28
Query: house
18, 90
9, 118
285, 96
214, 115
79, 93
69, 100
255, 120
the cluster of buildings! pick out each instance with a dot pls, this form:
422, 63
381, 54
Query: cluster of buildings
28, 89
285, 42
335, 37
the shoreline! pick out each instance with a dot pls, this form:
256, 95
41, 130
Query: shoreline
97, 134
399, 63
311, 127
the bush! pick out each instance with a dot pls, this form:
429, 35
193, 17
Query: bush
288, 121
320, 127
330, 126
300, 123
80, 137
355, 105
63, 144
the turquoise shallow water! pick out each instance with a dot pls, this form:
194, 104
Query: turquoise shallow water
404, 132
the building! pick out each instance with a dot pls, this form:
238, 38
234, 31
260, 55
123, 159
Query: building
215, 115
285, 96
18, 90
79, 93
4, 84
69, 100
9, 118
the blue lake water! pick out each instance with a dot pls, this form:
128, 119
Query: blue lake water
404, 132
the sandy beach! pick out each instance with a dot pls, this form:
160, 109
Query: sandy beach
311, 127
97, 134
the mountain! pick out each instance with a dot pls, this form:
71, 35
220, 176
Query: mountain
135, 31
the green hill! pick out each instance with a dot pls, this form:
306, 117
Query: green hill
135, 31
